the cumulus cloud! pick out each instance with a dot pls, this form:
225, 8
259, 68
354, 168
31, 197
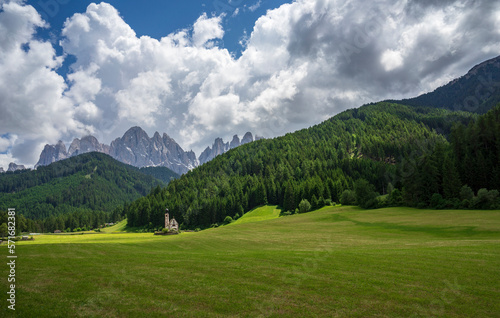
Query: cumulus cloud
303, 62
206, 29
31, 92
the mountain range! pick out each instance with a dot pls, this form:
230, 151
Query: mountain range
136, 148
219, 147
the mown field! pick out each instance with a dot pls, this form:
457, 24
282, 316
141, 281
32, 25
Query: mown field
336, 262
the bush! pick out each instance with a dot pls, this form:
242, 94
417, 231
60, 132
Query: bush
197, 229
421, 205
437, 201
228, 220
348, 198
465, 204
485, 199
466, 193
304, 206
382, 201
396, 198
365, 194
453, 203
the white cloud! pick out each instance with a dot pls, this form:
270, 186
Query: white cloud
32, 103
144, 96
255, 6
206, 29
391, 60
303, 62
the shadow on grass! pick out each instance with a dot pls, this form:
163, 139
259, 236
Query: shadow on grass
444, 232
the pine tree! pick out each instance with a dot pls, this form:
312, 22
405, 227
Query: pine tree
289, 199
451, 179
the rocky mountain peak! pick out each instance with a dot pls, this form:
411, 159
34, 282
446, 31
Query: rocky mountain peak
156, 136
247, 138
137, 149
86, 144
52, 153
235, 142
15, 167
219, 147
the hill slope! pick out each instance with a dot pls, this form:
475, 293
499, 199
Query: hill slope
477, 91
316, 164
88, 182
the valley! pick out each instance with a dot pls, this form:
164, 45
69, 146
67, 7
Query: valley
336, 262
289, 158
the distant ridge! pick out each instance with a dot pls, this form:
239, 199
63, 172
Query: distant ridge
219, 147
477, 91
136, 148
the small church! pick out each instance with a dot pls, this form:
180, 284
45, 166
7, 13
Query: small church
170, 224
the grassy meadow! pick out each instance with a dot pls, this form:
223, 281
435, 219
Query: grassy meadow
335, 262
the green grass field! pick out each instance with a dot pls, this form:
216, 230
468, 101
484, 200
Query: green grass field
259, 214
118, 227
335, 262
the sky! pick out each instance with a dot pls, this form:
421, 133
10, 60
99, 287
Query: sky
198, 70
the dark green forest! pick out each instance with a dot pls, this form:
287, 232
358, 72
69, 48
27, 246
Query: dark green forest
161, 173
79, 192
378, 155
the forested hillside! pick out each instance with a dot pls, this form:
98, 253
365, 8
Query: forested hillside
367, 149
76, 192
163, 174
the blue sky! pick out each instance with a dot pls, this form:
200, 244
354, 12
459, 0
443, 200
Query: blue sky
179, 68
158, 18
